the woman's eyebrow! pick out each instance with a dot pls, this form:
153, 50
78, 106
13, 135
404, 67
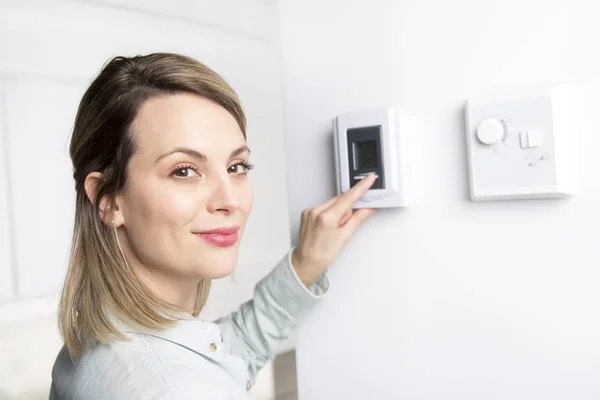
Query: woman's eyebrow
185, 150
239, 151
197, 154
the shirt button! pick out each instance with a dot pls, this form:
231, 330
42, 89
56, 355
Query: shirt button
248, 385
213, 347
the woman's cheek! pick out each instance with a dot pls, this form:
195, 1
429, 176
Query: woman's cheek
177, 206
247, 198
184, 205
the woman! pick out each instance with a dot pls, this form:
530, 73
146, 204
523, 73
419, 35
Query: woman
162, 197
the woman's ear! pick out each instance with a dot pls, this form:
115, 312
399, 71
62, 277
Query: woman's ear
109, 211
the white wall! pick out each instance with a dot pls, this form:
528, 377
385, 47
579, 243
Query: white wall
50, 52
448, 299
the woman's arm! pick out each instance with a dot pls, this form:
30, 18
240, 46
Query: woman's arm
254, 331
297, 282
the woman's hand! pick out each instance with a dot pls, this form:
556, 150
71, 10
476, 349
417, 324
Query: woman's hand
326, 228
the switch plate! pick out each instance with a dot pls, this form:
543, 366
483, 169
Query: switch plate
533, 156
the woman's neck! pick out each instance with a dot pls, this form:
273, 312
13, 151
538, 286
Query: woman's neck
177, 291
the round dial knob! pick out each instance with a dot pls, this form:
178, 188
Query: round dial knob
490, 131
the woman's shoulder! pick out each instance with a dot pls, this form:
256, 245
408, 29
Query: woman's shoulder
126, 369
119, 370
119, 355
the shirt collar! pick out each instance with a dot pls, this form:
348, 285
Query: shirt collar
197, 335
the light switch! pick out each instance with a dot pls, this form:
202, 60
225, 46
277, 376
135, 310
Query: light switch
530, 138
520, 144
534, 138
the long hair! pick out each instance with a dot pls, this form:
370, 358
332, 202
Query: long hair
98, 282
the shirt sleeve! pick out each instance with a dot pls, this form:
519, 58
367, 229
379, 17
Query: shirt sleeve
280, 299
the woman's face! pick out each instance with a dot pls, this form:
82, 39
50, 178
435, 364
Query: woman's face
188, 196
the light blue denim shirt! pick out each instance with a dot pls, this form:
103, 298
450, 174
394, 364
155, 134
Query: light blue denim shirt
195, 359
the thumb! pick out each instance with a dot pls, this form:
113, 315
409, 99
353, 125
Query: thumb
357, 218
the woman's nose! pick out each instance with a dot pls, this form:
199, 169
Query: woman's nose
224, 198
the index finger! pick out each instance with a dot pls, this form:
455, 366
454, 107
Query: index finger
347, 199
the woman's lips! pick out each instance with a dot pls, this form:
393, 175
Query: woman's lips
220, 237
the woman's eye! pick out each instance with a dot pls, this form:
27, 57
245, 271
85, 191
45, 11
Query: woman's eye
184, 172
240, 168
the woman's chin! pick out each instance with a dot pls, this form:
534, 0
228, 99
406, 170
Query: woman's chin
216, 267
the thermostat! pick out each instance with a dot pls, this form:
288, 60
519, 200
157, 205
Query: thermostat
372, 141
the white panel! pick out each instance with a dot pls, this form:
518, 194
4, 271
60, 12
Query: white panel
512, 144
6, 278
40, 119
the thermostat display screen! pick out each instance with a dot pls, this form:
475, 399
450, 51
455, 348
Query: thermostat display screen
365, 155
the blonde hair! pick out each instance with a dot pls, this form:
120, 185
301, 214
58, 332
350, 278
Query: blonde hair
98, 283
